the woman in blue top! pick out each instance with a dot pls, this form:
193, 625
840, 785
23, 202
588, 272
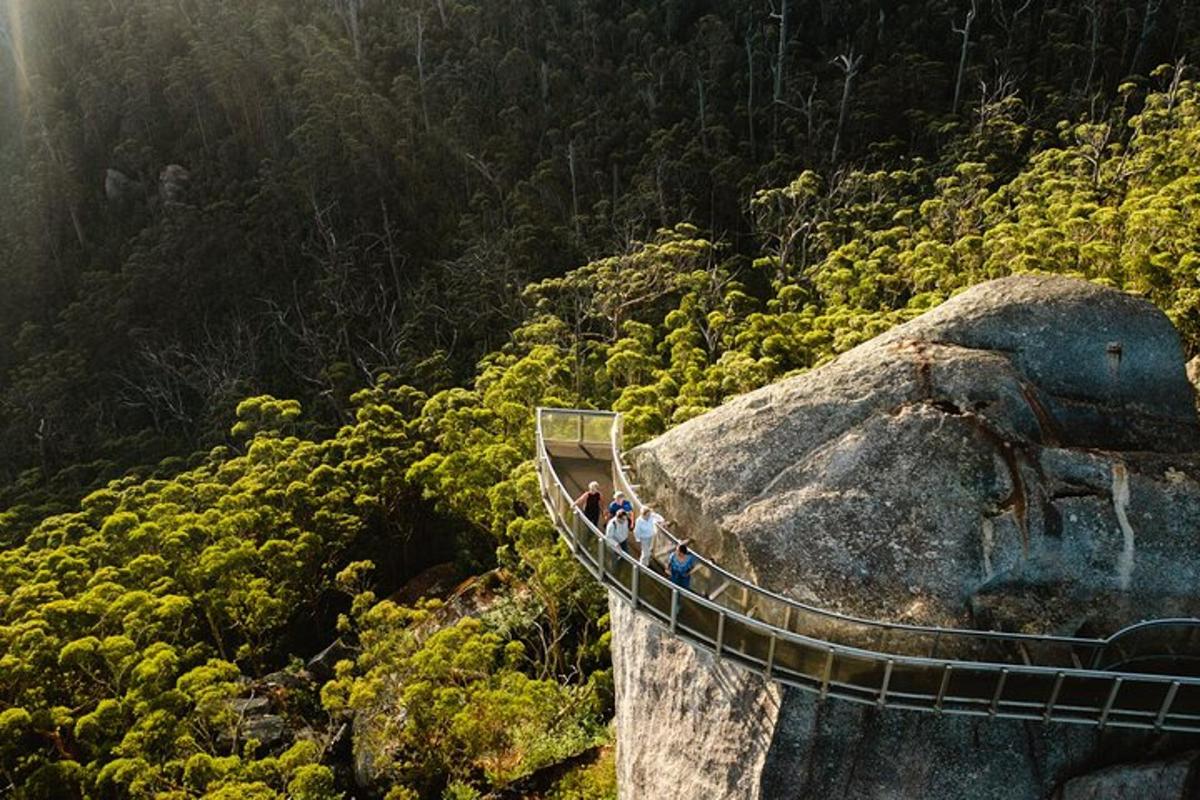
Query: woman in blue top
679, 568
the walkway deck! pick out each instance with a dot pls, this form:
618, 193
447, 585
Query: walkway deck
1145, 677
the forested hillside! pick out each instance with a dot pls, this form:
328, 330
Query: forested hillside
283, 283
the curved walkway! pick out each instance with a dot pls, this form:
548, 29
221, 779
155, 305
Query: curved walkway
1146, 676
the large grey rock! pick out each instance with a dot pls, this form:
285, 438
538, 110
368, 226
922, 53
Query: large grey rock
961, 463
1023, 457
1175, 779
118, 186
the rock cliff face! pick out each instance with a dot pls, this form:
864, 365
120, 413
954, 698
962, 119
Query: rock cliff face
1023, 457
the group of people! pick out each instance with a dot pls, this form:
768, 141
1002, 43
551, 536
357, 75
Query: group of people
621, 522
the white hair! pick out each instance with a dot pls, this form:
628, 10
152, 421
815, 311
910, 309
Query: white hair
593, 487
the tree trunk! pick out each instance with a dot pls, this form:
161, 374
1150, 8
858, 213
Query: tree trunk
750, 90
782, 51
349, 9
421, 69
849, 64
574, 187
780, 56
965, 32
1093, 9
1149, 27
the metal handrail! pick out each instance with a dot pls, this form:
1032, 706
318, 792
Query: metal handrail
1027, 638
1119, 709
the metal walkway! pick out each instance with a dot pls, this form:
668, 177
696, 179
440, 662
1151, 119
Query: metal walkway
1146, 676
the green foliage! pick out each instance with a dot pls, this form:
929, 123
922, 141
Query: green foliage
370, 186
595, 780
405, 187
456, 703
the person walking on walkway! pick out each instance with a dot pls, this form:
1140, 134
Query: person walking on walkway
619, 503
590, 502
679, 568
643, 531
617, 531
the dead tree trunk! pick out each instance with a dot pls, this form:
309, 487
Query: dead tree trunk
781, 52
965, 32
1092, 7
750, 89
849, 64
808, 106
780, 60
421, 69
574, 187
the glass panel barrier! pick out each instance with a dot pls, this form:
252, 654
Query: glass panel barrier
1082, 696
918, 683
699, 620
597, 429
561, 426
749, 640
620, 572
1032, 689
654, 597
799, 659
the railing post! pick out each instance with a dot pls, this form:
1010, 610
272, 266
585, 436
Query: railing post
1058, 682
601, 548
573, 539
826, 673
633, 584
1112, 698
674, 607
1166, 706
887, 679
720, 632
941, 695
999, 691
770, 656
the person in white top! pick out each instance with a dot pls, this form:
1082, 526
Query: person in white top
644, 530
616, 533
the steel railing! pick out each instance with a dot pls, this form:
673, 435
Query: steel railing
945, 670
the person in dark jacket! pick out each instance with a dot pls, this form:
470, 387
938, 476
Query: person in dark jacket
590, 501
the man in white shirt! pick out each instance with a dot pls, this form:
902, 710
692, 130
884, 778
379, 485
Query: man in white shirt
644, 530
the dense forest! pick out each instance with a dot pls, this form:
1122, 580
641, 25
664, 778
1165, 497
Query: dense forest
283, 281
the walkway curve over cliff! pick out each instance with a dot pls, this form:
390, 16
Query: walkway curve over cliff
1146, 676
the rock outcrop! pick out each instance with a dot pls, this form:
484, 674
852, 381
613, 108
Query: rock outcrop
1023, 457
1176, 777
118, 186
173, 181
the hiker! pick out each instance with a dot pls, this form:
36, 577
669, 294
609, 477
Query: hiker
589, 501
643, 531
679, 568
619, 503
616, 533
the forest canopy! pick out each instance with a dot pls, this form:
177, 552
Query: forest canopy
284, 283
